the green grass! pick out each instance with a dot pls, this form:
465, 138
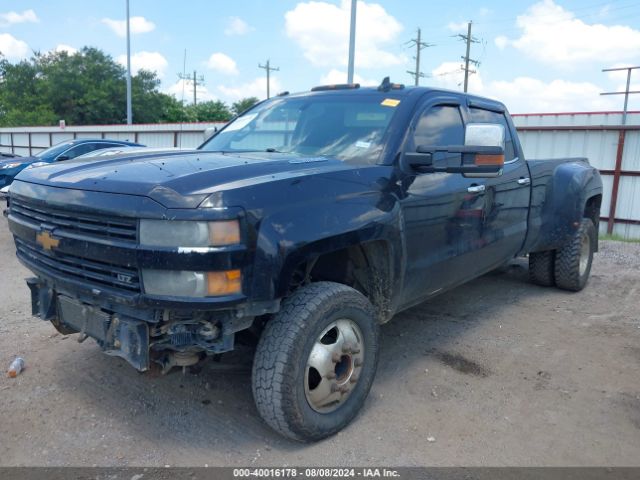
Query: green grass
619, 238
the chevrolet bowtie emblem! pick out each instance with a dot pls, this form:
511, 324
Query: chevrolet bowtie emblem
45, 239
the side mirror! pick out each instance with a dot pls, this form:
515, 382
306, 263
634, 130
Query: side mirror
62, 157
482, 155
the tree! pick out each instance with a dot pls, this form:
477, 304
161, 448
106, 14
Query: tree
22, 96
241, 105
86, 88
211, 111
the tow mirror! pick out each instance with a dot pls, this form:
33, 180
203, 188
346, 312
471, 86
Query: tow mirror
482, 155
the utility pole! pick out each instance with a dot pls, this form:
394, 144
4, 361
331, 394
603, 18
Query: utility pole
195, 80
352, 41
129, 109
269, 69
420, 45
626, 90
469, 39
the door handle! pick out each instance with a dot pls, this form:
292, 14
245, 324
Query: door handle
476, 189
524, 181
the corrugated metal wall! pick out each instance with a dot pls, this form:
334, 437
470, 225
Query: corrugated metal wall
30, 140
614, 150
596, 136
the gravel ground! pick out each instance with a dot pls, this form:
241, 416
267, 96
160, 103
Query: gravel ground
497, 372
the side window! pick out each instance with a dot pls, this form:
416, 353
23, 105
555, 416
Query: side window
439, 125
79, 150
479, 115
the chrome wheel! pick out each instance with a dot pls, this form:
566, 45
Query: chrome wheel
334, 366
585, 253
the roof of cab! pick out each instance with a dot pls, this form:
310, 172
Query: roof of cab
402, 91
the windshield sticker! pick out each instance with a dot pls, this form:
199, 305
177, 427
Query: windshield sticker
390, 102
361, 144
240, 122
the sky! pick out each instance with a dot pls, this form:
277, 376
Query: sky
535, 56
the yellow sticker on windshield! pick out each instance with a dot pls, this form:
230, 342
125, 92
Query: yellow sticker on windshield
390, 102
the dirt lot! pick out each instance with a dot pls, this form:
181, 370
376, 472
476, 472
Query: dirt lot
498, 372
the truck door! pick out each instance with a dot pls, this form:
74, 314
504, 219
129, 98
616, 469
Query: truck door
442, 211
504, 223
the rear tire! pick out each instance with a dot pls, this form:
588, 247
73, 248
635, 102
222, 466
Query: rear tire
573, 261
541, 268
315, 362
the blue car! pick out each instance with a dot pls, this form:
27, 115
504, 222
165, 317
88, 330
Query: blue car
10, 167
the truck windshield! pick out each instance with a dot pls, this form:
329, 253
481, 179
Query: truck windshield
349, 128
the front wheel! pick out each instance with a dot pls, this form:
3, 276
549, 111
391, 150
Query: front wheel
315, 362
573, 261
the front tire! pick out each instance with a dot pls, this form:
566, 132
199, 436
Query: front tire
573, 261
315, 361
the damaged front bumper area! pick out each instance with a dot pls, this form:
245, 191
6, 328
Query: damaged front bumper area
140, 336
85, 251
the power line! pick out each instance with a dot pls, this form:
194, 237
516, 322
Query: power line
552, 19
269, 69
590, 11
195, 80
420, 45
467, 60
626, 91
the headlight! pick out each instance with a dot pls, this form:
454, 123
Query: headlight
186, 233
10, 165
191, 284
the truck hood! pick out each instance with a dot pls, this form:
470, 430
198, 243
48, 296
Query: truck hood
177, 180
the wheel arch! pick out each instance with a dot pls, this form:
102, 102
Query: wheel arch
562, 195
592, 211
368, 267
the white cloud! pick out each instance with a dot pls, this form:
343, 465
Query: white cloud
183, 90
335, 76
11, 18
526, 94
222, 63
136, 25
457, 26
554, 35
501, 42
321, 30
12, 48
65, 48
151, 61
255, 88
237, 26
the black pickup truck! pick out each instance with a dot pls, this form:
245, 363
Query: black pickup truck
305, 223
